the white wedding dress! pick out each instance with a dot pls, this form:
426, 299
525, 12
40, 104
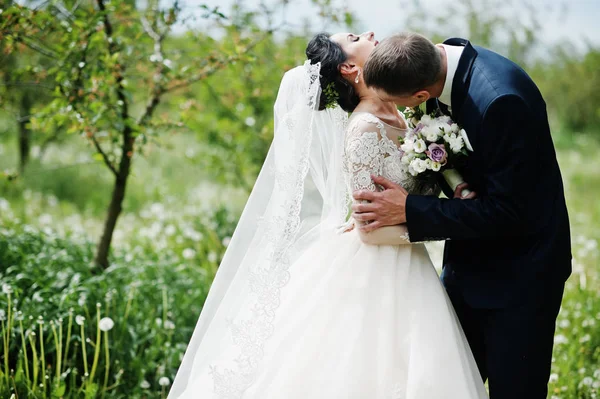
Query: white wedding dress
353, 320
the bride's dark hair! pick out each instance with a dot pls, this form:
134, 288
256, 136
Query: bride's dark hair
330, 54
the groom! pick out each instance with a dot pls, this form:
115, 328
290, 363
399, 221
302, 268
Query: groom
509, 250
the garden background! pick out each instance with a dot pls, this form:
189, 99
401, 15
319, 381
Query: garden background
131, 133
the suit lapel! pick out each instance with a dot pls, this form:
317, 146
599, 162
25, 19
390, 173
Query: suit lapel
462, 78
433, 105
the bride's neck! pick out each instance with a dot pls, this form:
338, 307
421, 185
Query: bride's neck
369, 100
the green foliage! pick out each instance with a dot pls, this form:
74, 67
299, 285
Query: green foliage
570, 85
153, 297
196, 157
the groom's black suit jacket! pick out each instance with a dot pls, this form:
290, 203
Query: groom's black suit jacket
516, 232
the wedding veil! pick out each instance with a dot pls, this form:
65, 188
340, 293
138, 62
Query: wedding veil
300, 194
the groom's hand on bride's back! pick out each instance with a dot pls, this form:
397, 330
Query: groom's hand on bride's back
385, 208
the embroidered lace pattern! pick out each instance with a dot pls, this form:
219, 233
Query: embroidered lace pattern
268, 277
370, 151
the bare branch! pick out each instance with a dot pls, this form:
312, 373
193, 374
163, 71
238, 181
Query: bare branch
63, 10
158, 88
150, 31
76, 6
104, 156
35, 47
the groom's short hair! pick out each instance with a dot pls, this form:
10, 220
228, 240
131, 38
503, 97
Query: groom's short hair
403, 64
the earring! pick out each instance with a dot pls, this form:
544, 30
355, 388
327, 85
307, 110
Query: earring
357, 75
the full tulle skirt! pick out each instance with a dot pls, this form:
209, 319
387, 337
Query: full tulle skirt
360, 322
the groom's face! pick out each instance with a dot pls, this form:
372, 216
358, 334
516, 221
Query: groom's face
408, 100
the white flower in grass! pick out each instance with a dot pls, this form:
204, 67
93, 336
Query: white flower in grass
560, 339
250, 121
597, 374
6, 289
164, 381
564, 323
79, 319
170, 230
212, 257
106, 324
144, 384
169, 325
2, 315
188, 253
553, 377
596, 384
37, 297
585, 338
226, 241
587, 381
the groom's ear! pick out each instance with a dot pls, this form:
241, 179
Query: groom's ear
421, 96
347, 69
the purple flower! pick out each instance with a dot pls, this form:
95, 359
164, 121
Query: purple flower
418, 128
437, 153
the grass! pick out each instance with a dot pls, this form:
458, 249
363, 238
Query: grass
167, 247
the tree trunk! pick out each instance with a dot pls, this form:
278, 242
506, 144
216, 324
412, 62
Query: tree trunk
116, 202
24, 132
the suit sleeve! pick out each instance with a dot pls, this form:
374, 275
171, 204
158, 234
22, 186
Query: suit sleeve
507, 146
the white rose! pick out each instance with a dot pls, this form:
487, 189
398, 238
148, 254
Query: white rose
454, 128
411, 170
418, 165
429, 164
407, 146
456, 144
426, 119
406, 158
436, 166
432, 133
419, 146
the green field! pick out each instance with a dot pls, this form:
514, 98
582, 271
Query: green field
81, 80
167, 249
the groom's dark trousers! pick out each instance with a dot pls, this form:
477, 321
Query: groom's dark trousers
509, 250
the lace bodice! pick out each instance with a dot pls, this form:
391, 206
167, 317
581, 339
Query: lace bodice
370, 151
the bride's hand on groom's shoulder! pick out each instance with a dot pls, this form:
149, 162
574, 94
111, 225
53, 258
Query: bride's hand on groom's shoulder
384, 208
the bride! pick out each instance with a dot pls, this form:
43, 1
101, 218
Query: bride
301, 308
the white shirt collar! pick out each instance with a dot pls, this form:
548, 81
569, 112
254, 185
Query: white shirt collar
453, 54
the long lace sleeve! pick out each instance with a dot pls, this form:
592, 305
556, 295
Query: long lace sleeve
367, 147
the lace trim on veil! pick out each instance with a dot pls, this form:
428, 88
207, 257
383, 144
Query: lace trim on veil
270, 274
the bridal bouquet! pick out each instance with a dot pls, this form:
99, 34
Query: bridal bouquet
434, 144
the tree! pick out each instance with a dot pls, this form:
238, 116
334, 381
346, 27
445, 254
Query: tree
21, 89
109, 76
